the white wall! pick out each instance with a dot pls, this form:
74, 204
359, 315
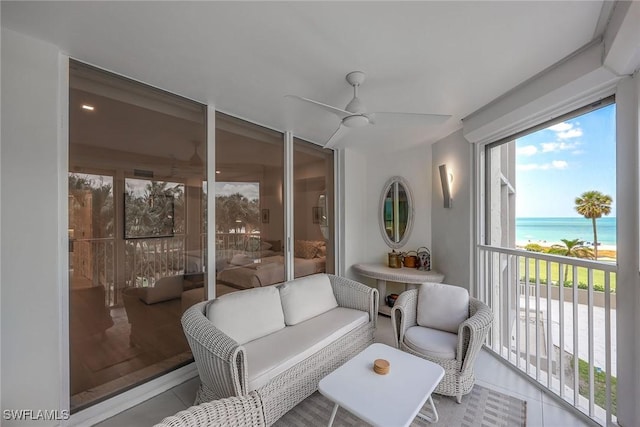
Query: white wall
451, 228
366, 172
30, 173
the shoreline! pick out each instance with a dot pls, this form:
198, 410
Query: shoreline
604, 251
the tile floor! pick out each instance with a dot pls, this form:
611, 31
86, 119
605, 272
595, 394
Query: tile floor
542, 410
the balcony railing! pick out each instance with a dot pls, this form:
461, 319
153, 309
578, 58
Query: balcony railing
555, 321
147, 260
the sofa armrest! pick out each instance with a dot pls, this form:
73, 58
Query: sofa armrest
352, 294
472, 333
404, 314
220, 360
233, 411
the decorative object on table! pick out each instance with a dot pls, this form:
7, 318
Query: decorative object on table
395, 259
424, 259
381, 366
410, 259
391, 299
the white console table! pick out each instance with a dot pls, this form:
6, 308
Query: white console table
411, 277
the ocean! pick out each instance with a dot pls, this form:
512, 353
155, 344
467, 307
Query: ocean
551, 230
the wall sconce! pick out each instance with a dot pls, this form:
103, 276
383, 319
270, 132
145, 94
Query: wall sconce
446, 178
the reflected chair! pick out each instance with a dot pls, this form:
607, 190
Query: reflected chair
442, 324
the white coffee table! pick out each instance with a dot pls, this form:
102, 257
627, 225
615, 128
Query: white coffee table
387, 400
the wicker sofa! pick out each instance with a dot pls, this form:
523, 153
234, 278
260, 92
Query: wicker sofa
279, 341
240, 411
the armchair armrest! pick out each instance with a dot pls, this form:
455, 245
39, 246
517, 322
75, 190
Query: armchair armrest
352, 294
472, 333
404, 314
233, 411
220, 360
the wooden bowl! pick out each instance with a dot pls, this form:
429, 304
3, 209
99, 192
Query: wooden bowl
381, 366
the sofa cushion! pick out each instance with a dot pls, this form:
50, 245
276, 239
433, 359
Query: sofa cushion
273, 354
247, 315
165, 289
431, 342
306, 297
442, 306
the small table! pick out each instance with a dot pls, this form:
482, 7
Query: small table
393, 399
411, 277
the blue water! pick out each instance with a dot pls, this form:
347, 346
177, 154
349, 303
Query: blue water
551, 230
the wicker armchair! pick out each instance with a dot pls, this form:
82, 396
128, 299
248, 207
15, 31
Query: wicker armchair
459, 375
230, 412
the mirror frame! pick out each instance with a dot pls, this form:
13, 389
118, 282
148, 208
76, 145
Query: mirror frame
407, 232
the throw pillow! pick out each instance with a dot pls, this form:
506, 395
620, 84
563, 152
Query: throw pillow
240, 259
165, 289
306, 249
247, 315
306, 297
442, 307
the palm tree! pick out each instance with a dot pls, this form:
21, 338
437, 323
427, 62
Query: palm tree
572, 248
593, 204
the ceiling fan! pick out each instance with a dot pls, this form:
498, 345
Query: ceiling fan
355, 114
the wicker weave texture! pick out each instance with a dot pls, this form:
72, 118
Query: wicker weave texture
459, 376
222, 364
240, 411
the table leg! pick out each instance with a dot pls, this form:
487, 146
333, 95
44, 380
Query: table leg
434, 418
333, 414
382, 290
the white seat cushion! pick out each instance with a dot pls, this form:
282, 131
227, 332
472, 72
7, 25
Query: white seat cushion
247, 315
306, 297
431, 342
442, 306
269, 356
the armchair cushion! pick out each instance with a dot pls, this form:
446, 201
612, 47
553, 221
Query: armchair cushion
306, 297
442, 307
165, 289
247, 315
431, 342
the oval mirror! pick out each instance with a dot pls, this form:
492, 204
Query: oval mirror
396, 212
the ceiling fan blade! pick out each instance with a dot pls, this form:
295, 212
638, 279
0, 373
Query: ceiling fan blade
337, 135
338, 112
406, 119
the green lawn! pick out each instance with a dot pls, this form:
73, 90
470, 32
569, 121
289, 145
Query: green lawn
598, 276
599, 386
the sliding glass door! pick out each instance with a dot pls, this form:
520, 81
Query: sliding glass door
137, 168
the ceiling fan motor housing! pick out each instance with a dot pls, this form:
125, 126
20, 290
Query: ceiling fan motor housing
355, 121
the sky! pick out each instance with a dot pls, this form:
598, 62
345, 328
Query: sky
251, 190
557, 164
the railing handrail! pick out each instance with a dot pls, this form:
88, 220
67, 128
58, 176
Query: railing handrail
561, 259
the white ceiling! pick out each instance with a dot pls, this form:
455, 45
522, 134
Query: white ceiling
243, 57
